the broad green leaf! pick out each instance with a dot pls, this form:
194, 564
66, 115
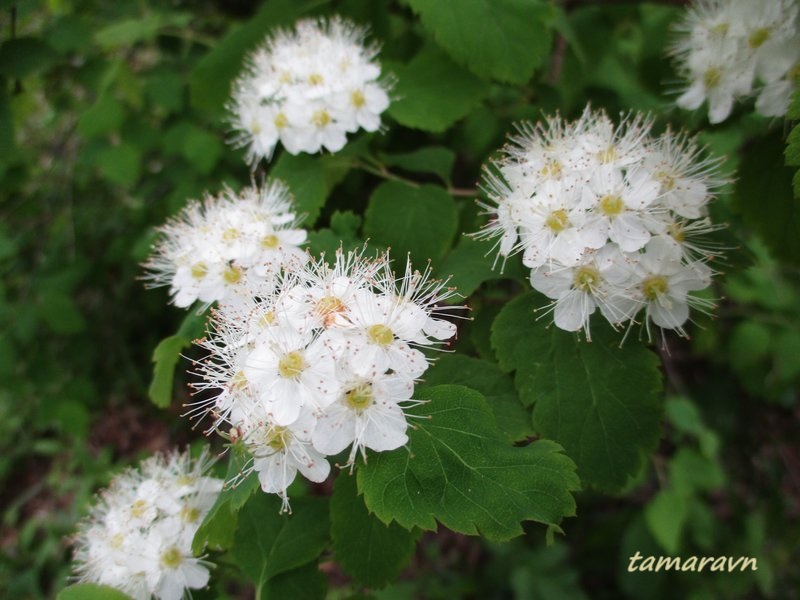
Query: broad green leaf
104, 116
431, 159
501, 39
472, 262
764, 197
690, 471
68, 34
23, 56
602, 403
420, 220
219, 526
513, 419
433, 92
268, 543
91, 591
212, 76
202, 149
310, 179
60, 313
460, 470
120, 164
343, 233
126, 33
306, 583
367, 549
665, 515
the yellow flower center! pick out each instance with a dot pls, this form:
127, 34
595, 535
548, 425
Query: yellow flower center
138, 508
199, 270
239, 381
270, 241
586, 278
267, 319
232, 274
328, 305
231, 234
667, 180
712, 77
552, 168
557, 220
608, 155
611, 205
255, 128
321, 118
380, 335
357, 99
171, 558
280, 120
291, 365
360, 397
676, 231
654, 287
117, 540
315, 79
278, 438
190, 514
758, 37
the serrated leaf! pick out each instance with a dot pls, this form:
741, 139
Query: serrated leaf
459, 470
310, 179
367, 549
433, 92
431, 159
665, 515
471, 263
602, 403
91, 591
501, 39
213, 74
513, 420
268, 543
420, 220
764, 197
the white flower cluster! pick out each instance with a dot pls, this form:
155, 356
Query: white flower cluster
327, 360
308, 88
138, 536
227, 245
731, 49
606, 216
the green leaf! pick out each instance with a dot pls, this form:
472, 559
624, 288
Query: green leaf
310, 179
513, 420
602, 403
471, 263
665, 515
133, 31
91, 591
765, 200
219, 525
420, 220
23, 56
68, 34
212, 76
433, 92
165, 358
202, 149
268, 543
306, 582
104, 116
502, 39
367, 549
461, 471
120, 164
431, 159
343, 232
60, 313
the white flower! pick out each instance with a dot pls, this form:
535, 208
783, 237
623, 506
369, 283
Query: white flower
308, 88
138, 536
581, 200
227, 245
728, 48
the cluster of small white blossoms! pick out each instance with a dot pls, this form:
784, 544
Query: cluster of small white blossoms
227, 245
607, 217
326, 360
732, 49
138, 536
308, 88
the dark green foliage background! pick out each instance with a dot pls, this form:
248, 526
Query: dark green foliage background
112, 118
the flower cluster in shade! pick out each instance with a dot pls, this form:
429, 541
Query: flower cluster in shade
138, 536
734, 49
607, 217
308, 88
223, 247
326, 360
